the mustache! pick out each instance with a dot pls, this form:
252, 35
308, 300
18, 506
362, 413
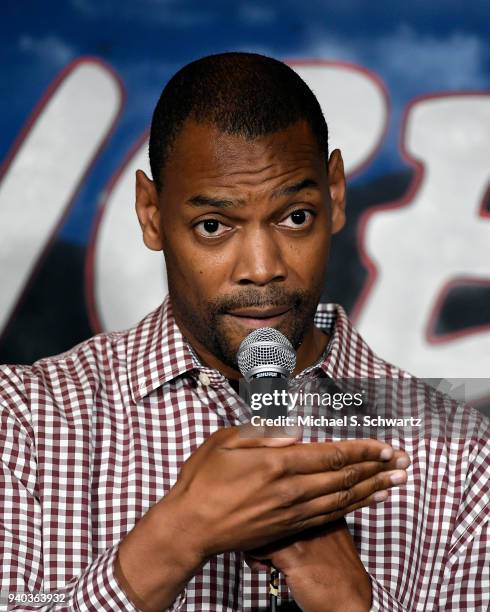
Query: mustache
273, 296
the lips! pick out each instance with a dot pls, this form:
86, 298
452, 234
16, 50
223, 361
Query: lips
259, 313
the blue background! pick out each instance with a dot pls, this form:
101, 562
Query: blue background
416, 47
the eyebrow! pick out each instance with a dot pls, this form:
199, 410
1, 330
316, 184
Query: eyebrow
202, 200
290, 190
287, 190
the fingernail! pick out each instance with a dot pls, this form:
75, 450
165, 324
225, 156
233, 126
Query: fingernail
380, 496
402, 462
386, 453
398, 477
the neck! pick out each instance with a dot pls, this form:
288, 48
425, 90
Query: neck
310, 350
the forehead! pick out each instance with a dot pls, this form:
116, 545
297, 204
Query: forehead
204, 155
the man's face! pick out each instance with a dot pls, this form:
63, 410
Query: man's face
245, 226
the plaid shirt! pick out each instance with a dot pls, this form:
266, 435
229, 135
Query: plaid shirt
91, 438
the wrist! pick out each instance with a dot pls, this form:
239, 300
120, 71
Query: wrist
176, 537
154, 561
291, 559
329, 591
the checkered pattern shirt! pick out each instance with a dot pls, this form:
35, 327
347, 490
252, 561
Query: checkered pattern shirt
92, 438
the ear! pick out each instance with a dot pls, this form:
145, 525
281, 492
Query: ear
148, 211
336, 187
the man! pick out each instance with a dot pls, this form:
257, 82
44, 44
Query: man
131, 480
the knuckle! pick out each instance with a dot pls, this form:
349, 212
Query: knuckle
335, 515
344, 498
273, 466
360, 504
365, 453
284, 495
220, 436
336, 459
301, 525
351, 477
224, 432
379, 480
289, 517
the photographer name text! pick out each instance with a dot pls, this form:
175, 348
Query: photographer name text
343, 421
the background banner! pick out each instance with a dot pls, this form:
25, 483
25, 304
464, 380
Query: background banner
405, 91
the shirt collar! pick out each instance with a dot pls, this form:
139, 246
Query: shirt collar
157, 351
347, 354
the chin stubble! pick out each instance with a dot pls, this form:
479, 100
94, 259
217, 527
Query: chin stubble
211, 331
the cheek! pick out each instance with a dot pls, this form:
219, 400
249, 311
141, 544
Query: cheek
308, 260
200, 273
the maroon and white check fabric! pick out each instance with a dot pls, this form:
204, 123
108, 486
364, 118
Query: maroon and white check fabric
92, 438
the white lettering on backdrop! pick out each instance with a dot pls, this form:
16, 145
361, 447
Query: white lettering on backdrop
413, 249
49, 161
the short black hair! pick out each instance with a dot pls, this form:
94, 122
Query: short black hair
245, 94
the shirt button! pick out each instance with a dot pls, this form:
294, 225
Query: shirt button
204, 379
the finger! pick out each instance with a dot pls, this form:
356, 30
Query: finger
251, 436
328, 456
400, 460
372, 500
255, 564
341, 502
303, 487
326, 519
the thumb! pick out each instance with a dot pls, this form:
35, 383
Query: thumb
252, 436
255, 564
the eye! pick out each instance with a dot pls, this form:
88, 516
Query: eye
211, 227
298, 219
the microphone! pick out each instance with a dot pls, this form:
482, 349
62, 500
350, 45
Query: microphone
263, 355
266, 353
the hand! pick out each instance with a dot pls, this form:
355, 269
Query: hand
321, 565
322, 570
238, 493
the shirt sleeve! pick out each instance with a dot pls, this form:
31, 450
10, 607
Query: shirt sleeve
21, 568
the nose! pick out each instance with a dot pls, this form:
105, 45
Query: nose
260, 259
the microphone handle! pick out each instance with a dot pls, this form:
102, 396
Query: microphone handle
273, 589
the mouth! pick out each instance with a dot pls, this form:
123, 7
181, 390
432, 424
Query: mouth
259, 317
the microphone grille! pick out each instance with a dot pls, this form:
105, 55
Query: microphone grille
266, 348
